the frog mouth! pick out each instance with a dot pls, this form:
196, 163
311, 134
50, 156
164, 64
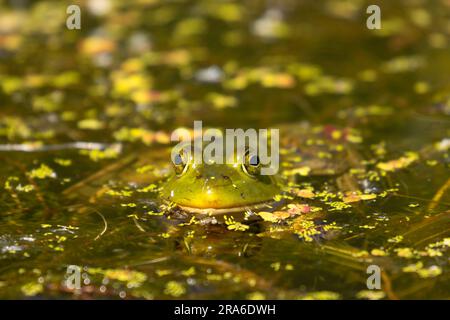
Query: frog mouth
218, 211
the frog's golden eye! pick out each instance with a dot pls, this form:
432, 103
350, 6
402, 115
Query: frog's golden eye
180, 163
252, 164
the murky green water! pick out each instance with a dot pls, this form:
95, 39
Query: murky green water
138, 69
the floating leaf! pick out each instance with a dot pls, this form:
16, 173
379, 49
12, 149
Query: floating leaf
355, 197
175, 289
42, 172
399, 163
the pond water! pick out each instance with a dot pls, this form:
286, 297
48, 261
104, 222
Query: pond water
137, 70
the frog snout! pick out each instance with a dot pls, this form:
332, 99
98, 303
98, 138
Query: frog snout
215, 181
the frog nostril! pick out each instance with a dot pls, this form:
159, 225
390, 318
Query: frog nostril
226, 180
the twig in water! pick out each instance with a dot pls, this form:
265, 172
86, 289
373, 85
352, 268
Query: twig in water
37, 147
138, 225
388, 286
437, 197
419, 198
104, 221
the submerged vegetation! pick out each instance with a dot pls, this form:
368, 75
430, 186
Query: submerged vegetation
85, 123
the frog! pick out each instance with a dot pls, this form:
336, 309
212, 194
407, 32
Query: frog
320, 155
214, 189
217, 188
209, 191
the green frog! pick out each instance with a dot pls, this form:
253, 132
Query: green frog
237, 187
219, 188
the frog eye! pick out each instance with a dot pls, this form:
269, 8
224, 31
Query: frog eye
179, 163
252, 164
